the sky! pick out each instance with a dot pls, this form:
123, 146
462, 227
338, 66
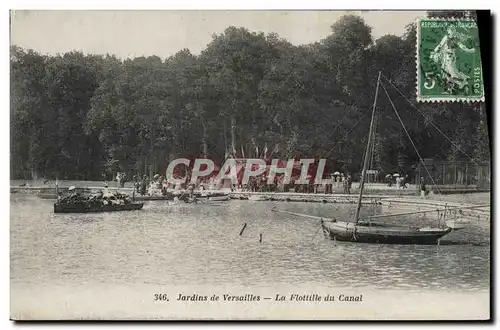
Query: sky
130, 34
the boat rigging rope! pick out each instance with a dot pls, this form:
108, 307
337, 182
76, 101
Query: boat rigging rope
430, 121
372, 147
409, 137
351, 107
317, 231
345, 136
345, 115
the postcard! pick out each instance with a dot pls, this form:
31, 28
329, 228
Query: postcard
249, 165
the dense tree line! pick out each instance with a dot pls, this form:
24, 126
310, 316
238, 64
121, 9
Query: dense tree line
76, 116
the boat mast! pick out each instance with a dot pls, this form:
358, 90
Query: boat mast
365, 163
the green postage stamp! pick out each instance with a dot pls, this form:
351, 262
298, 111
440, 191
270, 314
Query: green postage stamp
448, 61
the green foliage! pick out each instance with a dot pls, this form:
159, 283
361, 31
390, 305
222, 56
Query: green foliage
79, 116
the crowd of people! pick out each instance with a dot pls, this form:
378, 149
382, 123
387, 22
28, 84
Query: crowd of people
401, 182
104, 196
159, 185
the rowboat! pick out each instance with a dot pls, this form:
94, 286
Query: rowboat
95, 207
222, 198
258, 198
103, 201
214, 197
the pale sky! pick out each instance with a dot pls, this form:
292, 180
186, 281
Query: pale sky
163, 33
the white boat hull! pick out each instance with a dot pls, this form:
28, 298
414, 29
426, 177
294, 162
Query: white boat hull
458, 223
257, 198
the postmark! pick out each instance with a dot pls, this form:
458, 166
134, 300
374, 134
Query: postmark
448, 61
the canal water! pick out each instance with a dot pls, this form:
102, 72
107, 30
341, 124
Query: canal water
201, 245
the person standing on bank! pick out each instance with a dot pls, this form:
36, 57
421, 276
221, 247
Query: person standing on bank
404, 182
423, 188
118, 179
349, 184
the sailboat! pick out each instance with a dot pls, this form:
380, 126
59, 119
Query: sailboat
363, 230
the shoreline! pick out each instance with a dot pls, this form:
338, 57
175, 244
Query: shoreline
431, 202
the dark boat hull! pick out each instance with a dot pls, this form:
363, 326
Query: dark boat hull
167, 197
83, 208
381, 234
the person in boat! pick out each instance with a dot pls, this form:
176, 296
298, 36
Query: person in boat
106, 195
118, 179
144, 185
136, 183
123, 180
72, 197
105, 190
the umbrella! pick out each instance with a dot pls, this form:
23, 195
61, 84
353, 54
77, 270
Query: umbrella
388, 175
395, 174
336, 173
156, 176
71, 188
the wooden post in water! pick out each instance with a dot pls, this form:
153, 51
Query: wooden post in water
260, 239
243, 229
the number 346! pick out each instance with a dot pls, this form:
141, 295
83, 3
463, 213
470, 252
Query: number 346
161, 297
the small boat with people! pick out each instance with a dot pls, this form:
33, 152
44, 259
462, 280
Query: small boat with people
97, 201
90, 207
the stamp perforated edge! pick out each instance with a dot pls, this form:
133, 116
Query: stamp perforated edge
417, 67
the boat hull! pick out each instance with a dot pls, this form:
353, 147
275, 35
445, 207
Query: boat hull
258, 198
167, 197
213, 197
458, 223
218, 198
83, 208
382, 234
